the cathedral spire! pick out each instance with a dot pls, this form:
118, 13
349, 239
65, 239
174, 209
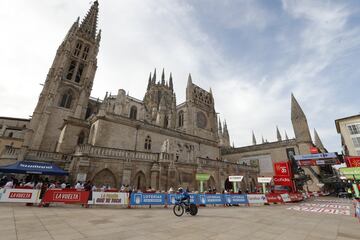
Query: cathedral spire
253, 138
163, 77
171, 82
262, 139
278, 135
89, 23
286, 136
189, 83
149, 82
220, 127
318, 142
154, 77
299, 122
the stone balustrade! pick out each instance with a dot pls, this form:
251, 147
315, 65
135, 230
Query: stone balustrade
220, 163
94, 151
36, 155
10, 153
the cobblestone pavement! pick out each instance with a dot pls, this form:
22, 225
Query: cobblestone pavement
255, 222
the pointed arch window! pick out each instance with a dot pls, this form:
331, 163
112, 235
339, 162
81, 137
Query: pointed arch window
78, 49
133, 112
79, 73
66, 99
166, 121
71, 70
81, 138
181, 118
85, 52
147, 144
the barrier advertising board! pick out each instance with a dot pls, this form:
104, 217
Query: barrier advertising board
171, 198
214, 199
256, 198
109, 198
65, 196
147, 199
19, 195
274, 198
295, 197
236, 199
285, 197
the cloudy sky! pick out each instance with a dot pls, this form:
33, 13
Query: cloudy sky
252, 54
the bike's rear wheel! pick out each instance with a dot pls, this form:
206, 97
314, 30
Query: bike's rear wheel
178, 210
193, 209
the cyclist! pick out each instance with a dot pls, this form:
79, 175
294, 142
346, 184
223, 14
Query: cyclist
185, 197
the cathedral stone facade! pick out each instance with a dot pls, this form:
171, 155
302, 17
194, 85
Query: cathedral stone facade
154, 142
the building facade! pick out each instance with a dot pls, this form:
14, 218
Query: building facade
349, 130
154, 142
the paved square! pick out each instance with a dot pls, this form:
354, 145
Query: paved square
257, 222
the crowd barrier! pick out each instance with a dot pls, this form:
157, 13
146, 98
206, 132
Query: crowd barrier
138, 199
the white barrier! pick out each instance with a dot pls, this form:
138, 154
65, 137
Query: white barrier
109, 198
19, 195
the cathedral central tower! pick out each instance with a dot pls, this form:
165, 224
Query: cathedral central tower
68, 84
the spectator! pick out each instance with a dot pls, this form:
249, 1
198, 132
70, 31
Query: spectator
63, 185
78, 185
29, 184
9, 184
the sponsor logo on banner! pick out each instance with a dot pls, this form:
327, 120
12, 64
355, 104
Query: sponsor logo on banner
352, 161
283, 181
236, 199
147, 199
274, 198
282, 169
315, 156
109, 198
171, 198
264, 179
296, 197
214, 199
285, 197
65, 196
20, 195
256, 198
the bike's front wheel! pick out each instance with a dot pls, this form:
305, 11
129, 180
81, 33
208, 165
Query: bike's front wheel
178, 210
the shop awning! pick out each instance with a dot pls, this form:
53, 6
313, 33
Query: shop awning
351, 173
26, 167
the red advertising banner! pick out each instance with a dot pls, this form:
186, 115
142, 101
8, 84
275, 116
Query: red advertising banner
65, 196
282, 181
352, 161
19, 195
282, 169
273, 198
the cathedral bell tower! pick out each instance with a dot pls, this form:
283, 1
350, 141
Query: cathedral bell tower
299, 122
68, 84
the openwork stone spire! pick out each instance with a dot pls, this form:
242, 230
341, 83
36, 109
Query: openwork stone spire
89, 24
253, 138
318, 142
299, 122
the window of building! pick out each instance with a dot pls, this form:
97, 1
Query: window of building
166, 122
71, 70
133, 112
81, 138
85, 52
181, 118
147, 144
66, 99
79, 72
356, 141
77, 49
11, 134
354, 129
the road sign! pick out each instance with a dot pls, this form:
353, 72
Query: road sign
235, 178
202, 176
264, 179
